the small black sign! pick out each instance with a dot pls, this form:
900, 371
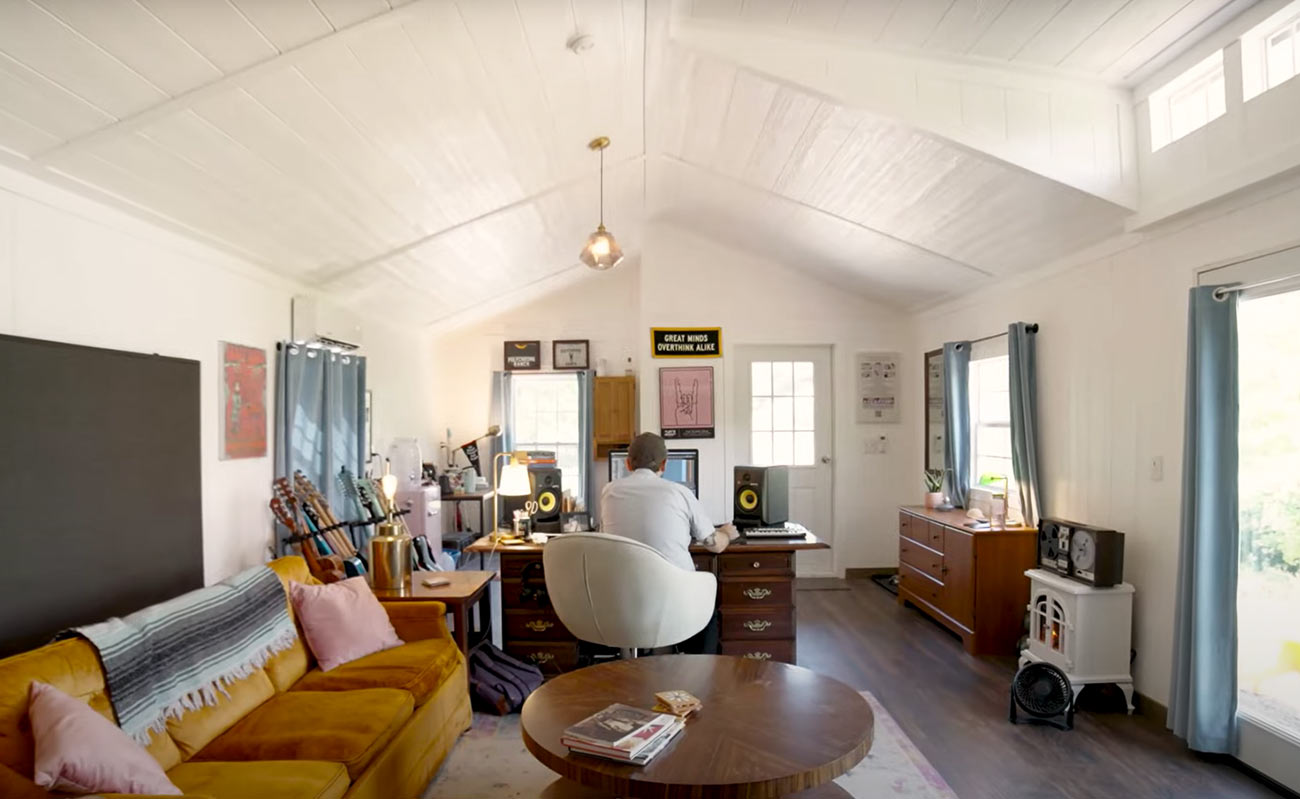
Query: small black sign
523, 356
687, 342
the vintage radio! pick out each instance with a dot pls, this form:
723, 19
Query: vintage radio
1085, 553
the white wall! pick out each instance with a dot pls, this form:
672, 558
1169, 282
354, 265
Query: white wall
1111, 350
76, 271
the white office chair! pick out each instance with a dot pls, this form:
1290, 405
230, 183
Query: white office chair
617, 592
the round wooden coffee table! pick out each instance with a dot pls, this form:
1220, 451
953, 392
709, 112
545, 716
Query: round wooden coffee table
766, 730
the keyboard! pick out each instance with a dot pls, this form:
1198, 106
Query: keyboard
787, 530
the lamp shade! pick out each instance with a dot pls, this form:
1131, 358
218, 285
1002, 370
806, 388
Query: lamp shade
601, 251
514, 481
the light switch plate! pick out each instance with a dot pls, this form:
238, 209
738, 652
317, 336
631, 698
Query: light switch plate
1157, 468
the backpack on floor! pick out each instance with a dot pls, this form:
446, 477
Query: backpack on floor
499, 683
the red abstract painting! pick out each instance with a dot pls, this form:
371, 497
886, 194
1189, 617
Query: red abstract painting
243, 401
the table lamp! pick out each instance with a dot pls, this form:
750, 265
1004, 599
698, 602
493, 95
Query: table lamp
390, 548
511, 480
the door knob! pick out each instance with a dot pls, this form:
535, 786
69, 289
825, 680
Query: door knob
826, 459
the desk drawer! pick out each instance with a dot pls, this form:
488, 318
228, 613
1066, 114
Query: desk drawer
531, 625
551, 658
920, 584
922, 558
755, 593
703, 563
739, 624
761, 650
513, 565
512, 595
740, 563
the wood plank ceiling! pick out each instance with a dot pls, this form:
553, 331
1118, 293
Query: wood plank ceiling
415, 159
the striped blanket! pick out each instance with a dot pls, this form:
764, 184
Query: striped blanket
180, 654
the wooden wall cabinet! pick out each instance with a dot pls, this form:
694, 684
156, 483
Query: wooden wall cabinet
613, 413
972, 582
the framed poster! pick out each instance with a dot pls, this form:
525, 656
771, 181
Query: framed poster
571, 354
876, 385
523, 356
686, 402
243, 402
686, 342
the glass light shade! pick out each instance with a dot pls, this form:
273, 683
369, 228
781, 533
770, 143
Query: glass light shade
602, 251
514, 481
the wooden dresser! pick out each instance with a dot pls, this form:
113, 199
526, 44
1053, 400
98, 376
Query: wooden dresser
755, 598
972, 582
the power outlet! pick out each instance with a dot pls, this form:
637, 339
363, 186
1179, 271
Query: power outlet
1156, 466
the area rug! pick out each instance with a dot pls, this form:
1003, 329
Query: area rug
490, 762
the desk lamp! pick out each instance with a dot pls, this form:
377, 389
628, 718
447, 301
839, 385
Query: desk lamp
511, 480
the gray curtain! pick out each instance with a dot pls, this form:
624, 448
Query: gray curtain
956, 419
320, 408
587, 454
1024, 417
1203, 686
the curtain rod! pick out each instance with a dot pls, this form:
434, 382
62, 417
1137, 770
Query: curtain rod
1221, 293
1029, 328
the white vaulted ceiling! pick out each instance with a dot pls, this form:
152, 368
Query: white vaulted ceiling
416, 159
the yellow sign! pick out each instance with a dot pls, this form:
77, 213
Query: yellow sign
686, 342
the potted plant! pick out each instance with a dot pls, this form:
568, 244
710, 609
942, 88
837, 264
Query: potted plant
934, 488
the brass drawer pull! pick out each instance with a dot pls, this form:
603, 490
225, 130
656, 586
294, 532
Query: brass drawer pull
758, 593
757, 625
538, 626
541, 657
758, 655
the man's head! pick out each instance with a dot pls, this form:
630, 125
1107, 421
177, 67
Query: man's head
648, 451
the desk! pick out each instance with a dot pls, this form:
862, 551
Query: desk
466, 589
755, 597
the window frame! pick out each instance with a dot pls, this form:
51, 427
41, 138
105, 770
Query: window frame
1197, 79
995, 349
1256, 79
576, 484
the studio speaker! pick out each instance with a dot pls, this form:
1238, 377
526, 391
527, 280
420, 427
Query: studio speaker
762, 496
547, 494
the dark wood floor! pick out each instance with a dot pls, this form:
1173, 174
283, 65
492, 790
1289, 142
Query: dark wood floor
954, 708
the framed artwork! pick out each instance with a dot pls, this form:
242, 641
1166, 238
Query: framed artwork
523, 356
686, 402
243, 402
571, 354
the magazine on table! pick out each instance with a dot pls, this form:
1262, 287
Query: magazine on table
643, 755
618, 730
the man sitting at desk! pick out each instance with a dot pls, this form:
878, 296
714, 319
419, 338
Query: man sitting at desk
664, 515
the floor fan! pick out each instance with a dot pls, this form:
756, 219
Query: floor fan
1042, 692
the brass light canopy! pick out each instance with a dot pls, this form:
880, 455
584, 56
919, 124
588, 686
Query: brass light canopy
601, 251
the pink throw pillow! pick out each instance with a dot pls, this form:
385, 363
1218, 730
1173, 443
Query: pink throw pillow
342, 621
79, 750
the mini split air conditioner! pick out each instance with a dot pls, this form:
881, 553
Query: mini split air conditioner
318, 322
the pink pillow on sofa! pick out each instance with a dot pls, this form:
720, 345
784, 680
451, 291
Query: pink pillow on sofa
79, 750
342, 621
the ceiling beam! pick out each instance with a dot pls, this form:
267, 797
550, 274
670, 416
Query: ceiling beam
233, 80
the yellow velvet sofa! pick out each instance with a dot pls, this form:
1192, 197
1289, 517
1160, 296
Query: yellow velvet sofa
378, 727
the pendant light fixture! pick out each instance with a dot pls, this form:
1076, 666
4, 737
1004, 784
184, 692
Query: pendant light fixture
601, 251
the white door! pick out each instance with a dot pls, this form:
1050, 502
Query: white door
784, 408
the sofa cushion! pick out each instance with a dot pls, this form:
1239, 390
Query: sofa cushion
287, 666
282, 779
72, 666
196, 728
347, 727
419, 668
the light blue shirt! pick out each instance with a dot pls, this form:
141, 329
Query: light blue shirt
660, 513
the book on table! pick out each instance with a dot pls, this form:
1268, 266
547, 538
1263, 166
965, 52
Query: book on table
623, 733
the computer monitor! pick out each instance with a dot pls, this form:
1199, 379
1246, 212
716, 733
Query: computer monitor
683, 466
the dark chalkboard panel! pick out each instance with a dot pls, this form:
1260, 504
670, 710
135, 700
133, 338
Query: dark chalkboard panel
100, 502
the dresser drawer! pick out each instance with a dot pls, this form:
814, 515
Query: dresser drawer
513, 565
516, 594
528, 625
920, 584
935, 532
922, 558
739, 563
908, 524
755, 593
761, 650
551, 658
739, 624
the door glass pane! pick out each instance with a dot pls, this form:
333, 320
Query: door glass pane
782, 447
803, 449
761, 377
761, 449
803, 379
761, 414
803, 413
782, 379
782, 413
1268, 576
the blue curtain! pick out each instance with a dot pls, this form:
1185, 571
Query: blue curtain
1024, 417
1203, 686
586, 449
320, 408
956, 419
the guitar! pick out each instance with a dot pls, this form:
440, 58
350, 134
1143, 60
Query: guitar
321, 517
326, 568
360, 508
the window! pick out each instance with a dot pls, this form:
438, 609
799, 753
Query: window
1270, 52
544, 415
781, 425
1188, 102
990, 417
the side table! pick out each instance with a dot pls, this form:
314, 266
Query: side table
467, 588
